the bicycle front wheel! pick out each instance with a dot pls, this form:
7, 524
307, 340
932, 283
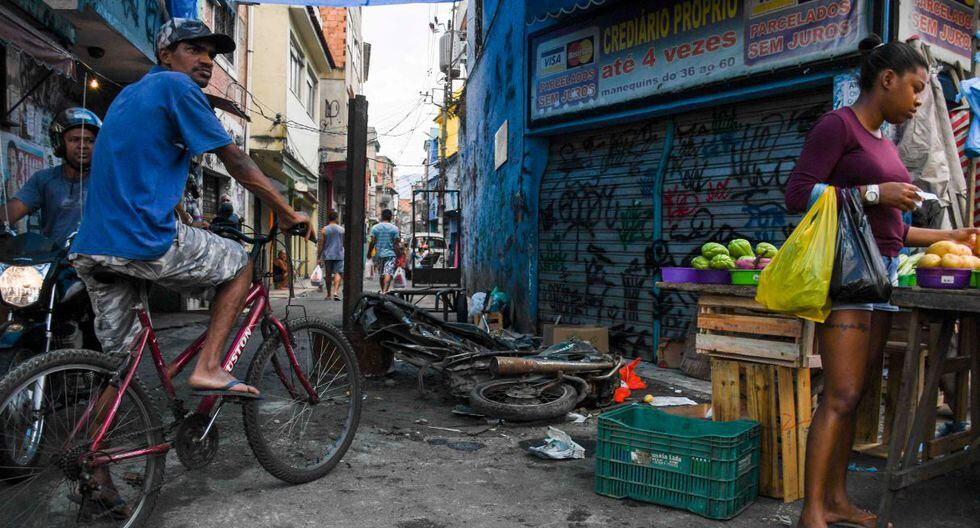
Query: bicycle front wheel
50, 407
297, 437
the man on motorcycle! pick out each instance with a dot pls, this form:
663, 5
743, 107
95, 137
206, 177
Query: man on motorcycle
139, 170
59, 192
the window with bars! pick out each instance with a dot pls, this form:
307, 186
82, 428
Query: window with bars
311, 92
224, 22
296, 68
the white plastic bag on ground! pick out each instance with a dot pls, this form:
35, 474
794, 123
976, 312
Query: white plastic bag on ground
316, 278
558, 446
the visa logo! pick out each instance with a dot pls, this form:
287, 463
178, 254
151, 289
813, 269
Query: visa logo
553, 60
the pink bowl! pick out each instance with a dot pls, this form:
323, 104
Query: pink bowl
943, 278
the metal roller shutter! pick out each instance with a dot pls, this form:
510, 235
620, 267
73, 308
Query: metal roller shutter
596, 232
724, 178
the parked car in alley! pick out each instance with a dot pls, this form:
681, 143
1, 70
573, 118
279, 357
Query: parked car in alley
428, 249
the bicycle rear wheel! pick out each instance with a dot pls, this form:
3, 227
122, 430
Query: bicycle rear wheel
50, 406
294, 438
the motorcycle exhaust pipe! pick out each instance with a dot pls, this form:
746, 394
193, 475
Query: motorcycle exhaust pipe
511, 366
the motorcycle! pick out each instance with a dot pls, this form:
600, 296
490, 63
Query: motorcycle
548, 384
505, 376
47, 304
47, 309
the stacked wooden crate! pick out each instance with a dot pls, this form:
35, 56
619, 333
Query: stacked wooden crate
760, 369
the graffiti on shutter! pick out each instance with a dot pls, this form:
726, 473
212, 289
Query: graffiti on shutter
596, 260
726, 178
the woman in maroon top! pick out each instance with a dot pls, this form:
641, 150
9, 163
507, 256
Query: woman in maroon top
846, 149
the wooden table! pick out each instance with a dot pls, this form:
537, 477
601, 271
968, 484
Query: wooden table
913, 425
451, 299
914, 455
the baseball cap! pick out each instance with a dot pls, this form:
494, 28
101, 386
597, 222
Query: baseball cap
181, 29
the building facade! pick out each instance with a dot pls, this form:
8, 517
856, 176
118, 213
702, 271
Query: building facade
342, 30
616, 138
285, 131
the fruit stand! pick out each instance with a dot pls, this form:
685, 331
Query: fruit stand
761, 370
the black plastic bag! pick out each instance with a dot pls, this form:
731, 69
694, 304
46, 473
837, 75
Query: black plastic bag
859, 273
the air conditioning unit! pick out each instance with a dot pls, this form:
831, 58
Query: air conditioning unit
459, 52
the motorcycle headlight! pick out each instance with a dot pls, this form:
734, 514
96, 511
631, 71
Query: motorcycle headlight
20, 286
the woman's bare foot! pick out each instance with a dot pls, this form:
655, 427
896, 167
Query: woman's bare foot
809, 519
846, 512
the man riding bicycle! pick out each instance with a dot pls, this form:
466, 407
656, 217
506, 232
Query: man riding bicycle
139, 169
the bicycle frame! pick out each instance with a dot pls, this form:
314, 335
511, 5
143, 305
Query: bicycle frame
259, 312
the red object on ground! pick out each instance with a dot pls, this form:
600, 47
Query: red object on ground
621, 393
629, 376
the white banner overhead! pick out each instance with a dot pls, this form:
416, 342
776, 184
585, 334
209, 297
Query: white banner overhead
352, 3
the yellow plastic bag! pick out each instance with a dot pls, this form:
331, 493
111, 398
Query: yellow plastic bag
797, 281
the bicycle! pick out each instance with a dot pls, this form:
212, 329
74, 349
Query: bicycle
100, 435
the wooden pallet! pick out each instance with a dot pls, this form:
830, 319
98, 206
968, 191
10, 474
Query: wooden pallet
741, 329
780, 399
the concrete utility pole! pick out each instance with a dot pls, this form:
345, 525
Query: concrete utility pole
447, 101
354, 230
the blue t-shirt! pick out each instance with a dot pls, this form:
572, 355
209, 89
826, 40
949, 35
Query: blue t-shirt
140, 165
59, 199
384, 239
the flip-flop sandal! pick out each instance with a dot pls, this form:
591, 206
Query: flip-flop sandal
98, 507
226, 391
859, 523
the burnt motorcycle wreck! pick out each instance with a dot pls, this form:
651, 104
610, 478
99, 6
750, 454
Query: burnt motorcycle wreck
507, 376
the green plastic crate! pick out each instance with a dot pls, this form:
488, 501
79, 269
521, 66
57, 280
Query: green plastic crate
907, 281
709, 468
975, 279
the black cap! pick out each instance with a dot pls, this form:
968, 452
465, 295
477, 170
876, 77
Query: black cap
182, 29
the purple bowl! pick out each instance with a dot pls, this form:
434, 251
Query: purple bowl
680, 274
714, 277
943, 278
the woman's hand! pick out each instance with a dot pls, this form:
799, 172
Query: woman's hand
902, 196
966, 235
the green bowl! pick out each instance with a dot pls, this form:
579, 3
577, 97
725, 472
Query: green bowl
746, 277
907, 281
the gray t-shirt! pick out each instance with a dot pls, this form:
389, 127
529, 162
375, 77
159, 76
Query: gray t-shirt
59, 199
333, 242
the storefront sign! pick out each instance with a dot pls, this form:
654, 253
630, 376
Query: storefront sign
946, 25
636, 50
21, 159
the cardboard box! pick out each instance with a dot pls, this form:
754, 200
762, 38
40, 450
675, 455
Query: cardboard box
671, 355
597, 335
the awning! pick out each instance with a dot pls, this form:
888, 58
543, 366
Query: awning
353, 3
541, 11
23, 36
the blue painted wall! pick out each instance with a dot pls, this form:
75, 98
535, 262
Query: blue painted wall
500, 205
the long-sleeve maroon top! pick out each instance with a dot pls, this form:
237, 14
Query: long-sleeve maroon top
839, 151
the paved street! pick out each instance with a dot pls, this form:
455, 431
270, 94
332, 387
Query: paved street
404, 472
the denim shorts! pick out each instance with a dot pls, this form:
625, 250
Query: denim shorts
891, 265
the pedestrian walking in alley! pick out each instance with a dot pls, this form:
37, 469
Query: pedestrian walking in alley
385, 241
846, 149
330, 248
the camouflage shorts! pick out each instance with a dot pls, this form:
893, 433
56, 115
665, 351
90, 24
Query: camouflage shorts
195, 264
